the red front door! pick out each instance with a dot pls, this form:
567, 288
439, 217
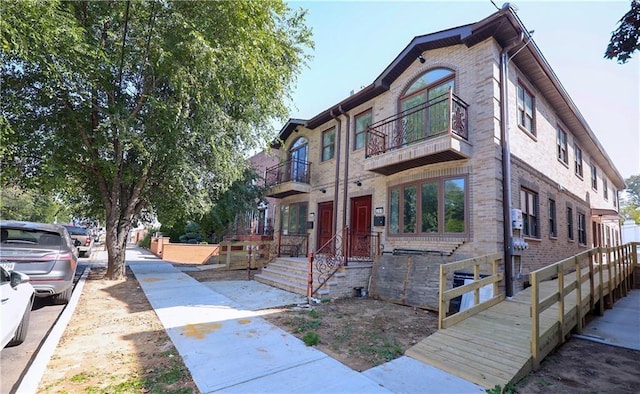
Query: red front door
360, 242
325, 224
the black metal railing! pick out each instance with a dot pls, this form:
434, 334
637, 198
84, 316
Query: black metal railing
293, 245
288, 171
343, 247
442, 115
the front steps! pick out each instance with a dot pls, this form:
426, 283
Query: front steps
291, 274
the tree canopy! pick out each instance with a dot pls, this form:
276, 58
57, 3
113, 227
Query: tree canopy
142, 105
625, 40
630, 205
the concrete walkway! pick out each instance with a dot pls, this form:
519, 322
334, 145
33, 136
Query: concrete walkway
217, 329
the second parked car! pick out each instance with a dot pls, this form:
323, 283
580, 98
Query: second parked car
83, 239
45, 252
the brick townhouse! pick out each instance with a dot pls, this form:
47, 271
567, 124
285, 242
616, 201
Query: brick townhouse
466, 144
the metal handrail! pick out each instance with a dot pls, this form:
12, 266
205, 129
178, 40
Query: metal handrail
446, 114
288, 171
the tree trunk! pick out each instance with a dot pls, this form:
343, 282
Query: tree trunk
116, 241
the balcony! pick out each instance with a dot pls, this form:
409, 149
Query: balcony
288, 178
429, 133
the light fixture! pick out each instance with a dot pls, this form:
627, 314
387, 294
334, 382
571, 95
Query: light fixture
422, 59
312, 215
358, 183
323, 190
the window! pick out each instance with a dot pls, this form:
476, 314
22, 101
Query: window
578, 160
582, 229
431, 87
328, 144
615, 198
293, 219
525, 110
594, 177
529, 207
605, 188
553, 227
570, 223
299, 164
363, 121
436, 206
563, 154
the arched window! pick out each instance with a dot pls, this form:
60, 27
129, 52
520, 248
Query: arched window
298, 155
426, 106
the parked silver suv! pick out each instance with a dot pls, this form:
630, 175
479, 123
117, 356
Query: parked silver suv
45, 252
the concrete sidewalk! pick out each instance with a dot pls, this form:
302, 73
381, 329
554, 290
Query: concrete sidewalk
228, 347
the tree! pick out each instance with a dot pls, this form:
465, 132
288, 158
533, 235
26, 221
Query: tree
22, 204
143, 105
630, 205
625, 40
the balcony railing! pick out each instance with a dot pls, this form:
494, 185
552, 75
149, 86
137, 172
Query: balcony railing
288, 171
442, 115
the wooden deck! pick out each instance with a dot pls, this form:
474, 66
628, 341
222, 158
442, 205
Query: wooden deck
501, 340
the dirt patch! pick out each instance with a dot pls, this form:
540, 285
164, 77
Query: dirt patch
581, 366
115, 343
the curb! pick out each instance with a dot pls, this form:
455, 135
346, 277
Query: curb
31, 380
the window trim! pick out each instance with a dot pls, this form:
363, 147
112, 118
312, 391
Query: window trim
418, 213
324, 147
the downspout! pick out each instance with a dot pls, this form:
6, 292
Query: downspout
346, 165
337, 176
506, 167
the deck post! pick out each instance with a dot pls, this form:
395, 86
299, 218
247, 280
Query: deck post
535, 320
601, 279
442, 313
592, 280
561, 302
579, 295
310, 279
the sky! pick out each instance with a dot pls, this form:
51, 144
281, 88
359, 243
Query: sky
356, 40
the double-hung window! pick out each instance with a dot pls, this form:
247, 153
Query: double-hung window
435, 206
578, 160
363, 121
582, 229
563, 154
570, 223
525, 110
529, 207
328, 144
605, 188
553, 225
594, 177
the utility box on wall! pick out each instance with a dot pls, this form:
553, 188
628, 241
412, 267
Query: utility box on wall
378, 221
516, 219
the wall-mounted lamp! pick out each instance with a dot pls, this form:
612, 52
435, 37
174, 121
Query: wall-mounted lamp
358, 183
323, 190
422, 59
312, 215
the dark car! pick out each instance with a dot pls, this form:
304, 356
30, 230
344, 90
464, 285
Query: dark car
44, 252
82, 239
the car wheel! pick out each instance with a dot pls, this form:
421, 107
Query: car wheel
84, 254
23, 327
64, 297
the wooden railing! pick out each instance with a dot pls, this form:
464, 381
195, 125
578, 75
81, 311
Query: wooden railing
609, 273
445, 114
479, 266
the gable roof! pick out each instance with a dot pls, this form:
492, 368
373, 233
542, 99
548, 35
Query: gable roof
505, 27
